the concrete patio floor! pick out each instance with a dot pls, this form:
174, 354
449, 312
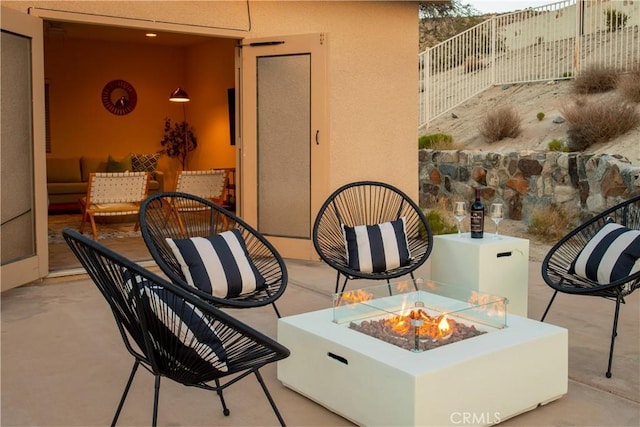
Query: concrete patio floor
63, 362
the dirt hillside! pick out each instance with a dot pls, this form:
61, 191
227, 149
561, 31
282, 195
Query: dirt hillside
528, 99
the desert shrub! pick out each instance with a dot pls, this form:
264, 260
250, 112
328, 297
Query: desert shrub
540, 116
551, 222
595, 79
436, 141
502, 122
558, 145
629, 85
567, 74
591, 122
615, 20
440, 223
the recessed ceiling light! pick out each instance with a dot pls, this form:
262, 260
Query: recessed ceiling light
151, 35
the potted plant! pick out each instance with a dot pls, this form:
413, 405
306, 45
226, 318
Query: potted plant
179, 140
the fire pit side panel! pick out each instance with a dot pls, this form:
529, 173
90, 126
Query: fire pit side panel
497, 384
344, 381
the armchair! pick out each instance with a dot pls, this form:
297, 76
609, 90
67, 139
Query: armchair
390, 214
598, 258
172, 333
165, 227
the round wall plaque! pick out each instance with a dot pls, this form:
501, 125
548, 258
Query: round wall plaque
119, 97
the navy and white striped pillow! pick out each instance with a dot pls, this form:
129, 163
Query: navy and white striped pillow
196, 340
377, 248
199, 341
218, 264
612, 254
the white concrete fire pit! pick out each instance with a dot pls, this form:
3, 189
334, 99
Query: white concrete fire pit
515, 365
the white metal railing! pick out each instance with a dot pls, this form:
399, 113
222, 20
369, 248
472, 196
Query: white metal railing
549, 42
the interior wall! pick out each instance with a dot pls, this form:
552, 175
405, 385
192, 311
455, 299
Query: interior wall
77, 71
210, 73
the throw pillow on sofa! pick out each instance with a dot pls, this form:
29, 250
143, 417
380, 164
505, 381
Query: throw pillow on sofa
145, 162
92, 164
123, 165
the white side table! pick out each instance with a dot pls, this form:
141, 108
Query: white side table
497, 267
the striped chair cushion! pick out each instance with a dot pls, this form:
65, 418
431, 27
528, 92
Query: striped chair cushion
377, 248
612, 254
218, 264
196, 341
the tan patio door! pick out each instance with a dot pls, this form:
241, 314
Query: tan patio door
284, 138
23, 233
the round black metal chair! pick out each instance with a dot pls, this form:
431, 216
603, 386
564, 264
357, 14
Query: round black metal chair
180, 216
558, 273
369, 203
171, 332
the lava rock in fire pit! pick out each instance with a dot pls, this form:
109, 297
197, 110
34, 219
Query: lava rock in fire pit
387, 330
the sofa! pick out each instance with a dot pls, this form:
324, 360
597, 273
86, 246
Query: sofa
67, 177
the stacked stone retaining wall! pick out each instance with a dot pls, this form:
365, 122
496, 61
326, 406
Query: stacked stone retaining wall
580, 182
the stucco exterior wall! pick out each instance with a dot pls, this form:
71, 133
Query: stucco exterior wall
372, 67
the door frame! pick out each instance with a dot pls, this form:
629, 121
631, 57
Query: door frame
316, 45
90, 19
34, 267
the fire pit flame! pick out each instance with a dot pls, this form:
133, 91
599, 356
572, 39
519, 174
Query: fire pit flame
481, 301
418, 322
353, 297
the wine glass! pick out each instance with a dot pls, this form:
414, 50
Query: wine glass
496, 213
459, 212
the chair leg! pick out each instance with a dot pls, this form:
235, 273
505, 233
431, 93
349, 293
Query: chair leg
266, 392
94, 229
344, 285
156, 393
614, 333
337, 282
225, 410
124, 394
83, 209
415, 284
276, 309
549, 306
176, 212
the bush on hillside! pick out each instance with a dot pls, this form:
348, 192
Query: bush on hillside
595, 79
558, 145
594, 121
629, 85
436, 141
615, 19
440, 223
551, 222
502, 122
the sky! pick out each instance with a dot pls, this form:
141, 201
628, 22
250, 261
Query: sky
496, 6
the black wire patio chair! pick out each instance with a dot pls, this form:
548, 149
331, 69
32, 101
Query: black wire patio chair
177, 216
572, 265
369, 203
172, 333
